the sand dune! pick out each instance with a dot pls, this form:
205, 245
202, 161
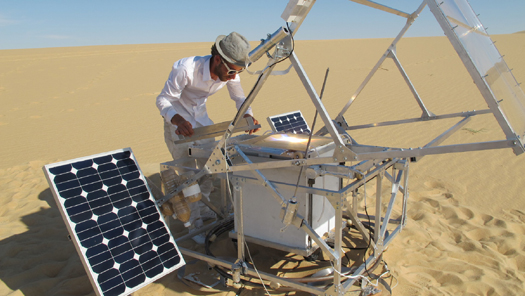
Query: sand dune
466, 227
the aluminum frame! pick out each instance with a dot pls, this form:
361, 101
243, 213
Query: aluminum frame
372, 162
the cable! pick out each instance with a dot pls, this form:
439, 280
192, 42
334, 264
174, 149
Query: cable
253, 263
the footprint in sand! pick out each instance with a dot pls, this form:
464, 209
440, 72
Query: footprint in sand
451, 245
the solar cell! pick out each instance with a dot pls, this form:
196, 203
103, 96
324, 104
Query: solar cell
292, 122
111, 216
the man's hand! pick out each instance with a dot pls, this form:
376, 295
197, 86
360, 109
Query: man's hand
254, 122
184, 127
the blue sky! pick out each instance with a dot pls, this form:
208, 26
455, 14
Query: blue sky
59, 23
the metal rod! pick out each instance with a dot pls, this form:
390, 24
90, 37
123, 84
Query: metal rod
379, 209
436, 117
407, 153
338, 242
405, 196
239, 223
224, 196
412, 88
393, 197
381, 60
281, 164
382, 7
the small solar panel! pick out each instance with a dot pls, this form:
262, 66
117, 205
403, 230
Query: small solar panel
120, 235
292, 122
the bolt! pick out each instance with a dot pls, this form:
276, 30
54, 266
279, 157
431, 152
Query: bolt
218, 161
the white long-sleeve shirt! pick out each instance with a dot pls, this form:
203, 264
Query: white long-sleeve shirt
188, 87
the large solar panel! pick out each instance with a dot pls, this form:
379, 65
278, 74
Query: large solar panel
292, 122
120, 235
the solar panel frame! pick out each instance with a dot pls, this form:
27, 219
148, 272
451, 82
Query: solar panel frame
291, 122
140, 248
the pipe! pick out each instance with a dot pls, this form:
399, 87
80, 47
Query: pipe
267, 44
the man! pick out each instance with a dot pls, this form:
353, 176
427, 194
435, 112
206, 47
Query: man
182, 101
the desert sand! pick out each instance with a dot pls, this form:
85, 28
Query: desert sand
466, 228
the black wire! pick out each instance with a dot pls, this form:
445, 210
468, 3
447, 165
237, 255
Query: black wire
293, 46
239, 291
369, 238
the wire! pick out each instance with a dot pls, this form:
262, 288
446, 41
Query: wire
253, 263
393, 276
353, 277
293, 45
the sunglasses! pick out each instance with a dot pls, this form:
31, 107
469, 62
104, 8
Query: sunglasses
231, 71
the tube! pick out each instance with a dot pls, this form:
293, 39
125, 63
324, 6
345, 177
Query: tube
267, 44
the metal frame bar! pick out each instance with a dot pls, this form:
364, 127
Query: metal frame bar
393, 56
382, 7
410, 120
239, 218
